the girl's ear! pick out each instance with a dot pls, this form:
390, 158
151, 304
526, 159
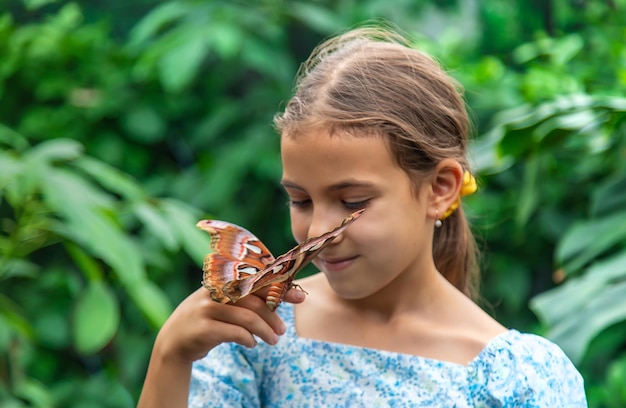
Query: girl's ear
446, 184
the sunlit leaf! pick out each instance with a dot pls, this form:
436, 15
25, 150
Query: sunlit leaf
96, 318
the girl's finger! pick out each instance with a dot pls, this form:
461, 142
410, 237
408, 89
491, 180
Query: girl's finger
252, 315
295, 295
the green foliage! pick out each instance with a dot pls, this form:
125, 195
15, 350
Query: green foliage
111, 140
73, 247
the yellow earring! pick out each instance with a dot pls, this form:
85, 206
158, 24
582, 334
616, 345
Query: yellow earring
469, 187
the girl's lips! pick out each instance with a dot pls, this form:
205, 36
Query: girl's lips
336, 265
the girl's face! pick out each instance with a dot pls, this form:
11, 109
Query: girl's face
328, 177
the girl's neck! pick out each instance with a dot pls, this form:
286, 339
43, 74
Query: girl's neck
417, 293
431, 320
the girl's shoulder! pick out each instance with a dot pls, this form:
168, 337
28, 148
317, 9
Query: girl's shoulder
527, 367
522, 350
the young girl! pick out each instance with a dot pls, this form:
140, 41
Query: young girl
390, 321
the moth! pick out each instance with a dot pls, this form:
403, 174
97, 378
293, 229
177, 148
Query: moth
239, 264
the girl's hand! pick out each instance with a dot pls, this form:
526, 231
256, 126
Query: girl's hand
196, 326
199, 324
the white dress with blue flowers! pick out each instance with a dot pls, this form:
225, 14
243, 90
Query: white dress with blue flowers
513, 370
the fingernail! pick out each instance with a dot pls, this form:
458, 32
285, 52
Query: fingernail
282, 328
275, 339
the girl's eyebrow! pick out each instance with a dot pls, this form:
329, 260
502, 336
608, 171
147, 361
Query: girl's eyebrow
342, 185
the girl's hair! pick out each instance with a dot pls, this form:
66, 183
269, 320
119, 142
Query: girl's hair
371, 81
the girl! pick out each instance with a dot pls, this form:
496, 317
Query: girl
374, 124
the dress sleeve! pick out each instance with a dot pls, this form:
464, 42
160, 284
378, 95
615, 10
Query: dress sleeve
530, 371
225, 378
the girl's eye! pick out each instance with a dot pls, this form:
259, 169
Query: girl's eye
356, 205
299, 203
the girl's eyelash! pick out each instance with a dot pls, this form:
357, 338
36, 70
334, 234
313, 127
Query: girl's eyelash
298, 203
357, 205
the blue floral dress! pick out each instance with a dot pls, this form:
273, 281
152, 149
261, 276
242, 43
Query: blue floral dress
513, 370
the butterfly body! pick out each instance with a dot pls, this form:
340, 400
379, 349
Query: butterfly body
240, 264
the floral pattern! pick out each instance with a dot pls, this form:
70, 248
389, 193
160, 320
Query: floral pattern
513, 370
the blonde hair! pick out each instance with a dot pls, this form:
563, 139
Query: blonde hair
371, 81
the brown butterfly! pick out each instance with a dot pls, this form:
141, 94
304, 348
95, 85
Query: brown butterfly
239, 263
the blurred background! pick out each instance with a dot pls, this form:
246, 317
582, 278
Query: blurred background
123, 123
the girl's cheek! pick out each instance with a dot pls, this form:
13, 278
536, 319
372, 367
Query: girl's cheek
298, 226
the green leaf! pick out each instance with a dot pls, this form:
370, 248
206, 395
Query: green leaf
180, 64
157, 19
609, 197
54, 150
227, 38
88, 223
151, 301
111, 178
572, 297
319, 18
575, 332
158, 225
182, 223
13, 314
87, 264
566, 48
144, 125
13, 139
528, 196
11, 168
573, 122
485, 153
33, 391
17, 267
96, 318
32, 5
589, 239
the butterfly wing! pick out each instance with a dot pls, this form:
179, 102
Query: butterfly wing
236, 254
284, 268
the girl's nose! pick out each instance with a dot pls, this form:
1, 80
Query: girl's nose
322, 222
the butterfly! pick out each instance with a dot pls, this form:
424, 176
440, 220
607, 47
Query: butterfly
239, 264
